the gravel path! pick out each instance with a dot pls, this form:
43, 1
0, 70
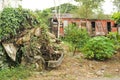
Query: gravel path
78, 68
115, 78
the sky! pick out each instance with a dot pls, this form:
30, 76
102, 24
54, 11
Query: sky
43, 4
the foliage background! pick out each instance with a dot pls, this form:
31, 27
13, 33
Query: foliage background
77, 37
99, 48
15, 20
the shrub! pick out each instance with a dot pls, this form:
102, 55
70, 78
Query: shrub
77, 37
115, 38
99, 48
18, 73
14, 20
116, 17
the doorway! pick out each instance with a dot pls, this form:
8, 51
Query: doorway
109, 26
93, 26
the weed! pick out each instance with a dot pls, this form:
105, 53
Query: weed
18, 73
108, 75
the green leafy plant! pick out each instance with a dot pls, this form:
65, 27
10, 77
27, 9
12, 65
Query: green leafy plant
18, 73
116, 17
115, 39
77, 37
99, 48
44, 16
14, 20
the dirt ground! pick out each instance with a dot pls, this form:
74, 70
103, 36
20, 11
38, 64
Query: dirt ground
78, 68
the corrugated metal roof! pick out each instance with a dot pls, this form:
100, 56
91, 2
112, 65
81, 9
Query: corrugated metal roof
68, 15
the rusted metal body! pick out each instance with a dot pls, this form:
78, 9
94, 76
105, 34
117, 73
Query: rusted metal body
35, 48
95, 27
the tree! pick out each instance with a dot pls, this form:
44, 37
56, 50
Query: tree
83, 12
77, 37
116, 17
100, 15
99, 48
65, 8
44, 16
117, 4
87, 7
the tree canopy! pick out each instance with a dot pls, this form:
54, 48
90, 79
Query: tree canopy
87, 8
77, 37
65, 8
46, 14
116, 17
90, 3
117, 4
43, 16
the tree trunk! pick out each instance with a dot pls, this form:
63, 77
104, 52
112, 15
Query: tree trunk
74, 51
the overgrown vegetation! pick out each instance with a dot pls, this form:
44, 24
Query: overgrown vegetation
77, 37
115, 39
14, 20
116, 17
89, 9
99, 48
65, 8
13, 23
30, 40
18, 73
43, 16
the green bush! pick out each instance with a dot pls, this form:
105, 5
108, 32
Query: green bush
14, 20
77, 37
112, 35
99, 48
116, 17
115, 38
18, 73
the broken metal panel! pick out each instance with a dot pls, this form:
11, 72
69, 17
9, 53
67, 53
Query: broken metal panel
55, 63
11, 50
36, 47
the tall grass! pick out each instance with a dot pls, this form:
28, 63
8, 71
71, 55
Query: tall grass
18, 73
